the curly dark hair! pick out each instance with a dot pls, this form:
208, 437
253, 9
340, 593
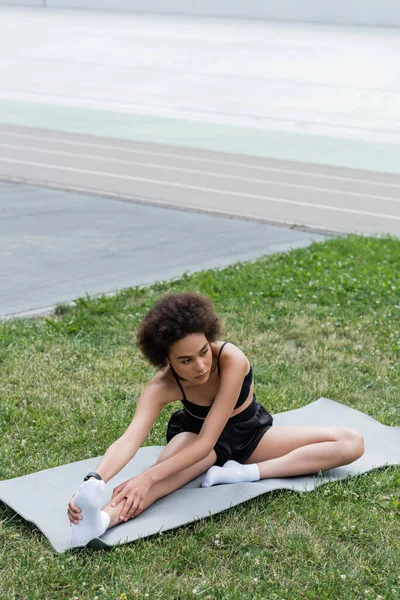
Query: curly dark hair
172, 318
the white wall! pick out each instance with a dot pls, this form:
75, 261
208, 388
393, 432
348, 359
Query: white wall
351, 12
22, 2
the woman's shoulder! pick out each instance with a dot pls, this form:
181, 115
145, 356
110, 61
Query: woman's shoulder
226, 346
163, 382
229, 352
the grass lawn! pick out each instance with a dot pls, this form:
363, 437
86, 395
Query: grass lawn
320, 321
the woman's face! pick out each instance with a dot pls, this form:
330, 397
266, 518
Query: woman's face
191, 358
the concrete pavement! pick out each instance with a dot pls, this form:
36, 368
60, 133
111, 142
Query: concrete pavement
56, 246
292, 193
281, 122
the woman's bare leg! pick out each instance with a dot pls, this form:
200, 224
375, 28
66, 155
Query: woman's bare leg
296, 450
290, 451
170, 484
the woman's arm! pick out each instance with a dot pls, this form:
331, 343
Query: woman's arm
234, 366
151, 402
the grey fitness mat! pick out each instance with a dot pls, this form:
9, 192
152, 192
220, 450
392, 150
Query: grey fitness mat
42, 497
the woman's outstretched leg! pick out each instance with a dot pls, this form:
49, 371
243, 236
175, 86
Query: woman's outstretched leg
162, 488
170, 484
89, 498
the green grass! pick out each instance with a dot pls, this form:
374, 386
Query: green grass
320, 321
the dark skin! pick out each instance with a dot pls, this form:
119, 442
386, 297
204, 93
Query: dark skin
194, 359
283, 451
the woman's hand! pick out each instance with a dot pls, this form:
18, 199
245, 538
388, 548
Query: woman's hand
133, 491
74, 512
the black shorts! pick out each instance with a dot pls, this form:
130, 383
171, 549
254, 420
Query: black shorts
239, 438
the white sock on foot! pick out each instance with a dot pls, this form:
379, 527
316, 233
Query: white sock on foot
89, 498
231, 472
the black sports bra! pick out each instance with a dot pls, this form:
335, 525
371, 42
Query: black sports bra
202, 411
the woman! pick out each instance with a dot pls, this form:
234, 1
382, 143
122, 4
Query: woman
221, 428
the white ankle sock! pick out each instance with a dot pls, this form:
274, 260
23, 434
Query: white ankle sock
231, 472
89, 498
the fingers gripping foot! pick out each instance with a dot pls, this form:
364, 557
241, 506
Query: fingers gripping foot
231, 472
89, 498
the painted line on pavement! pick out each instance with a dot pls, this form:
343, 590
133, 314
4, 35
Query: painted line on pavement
197, 158
152, 201
201, 172
202, 189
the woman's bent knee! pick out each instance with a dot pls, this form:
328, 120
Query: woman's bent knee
352, 443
